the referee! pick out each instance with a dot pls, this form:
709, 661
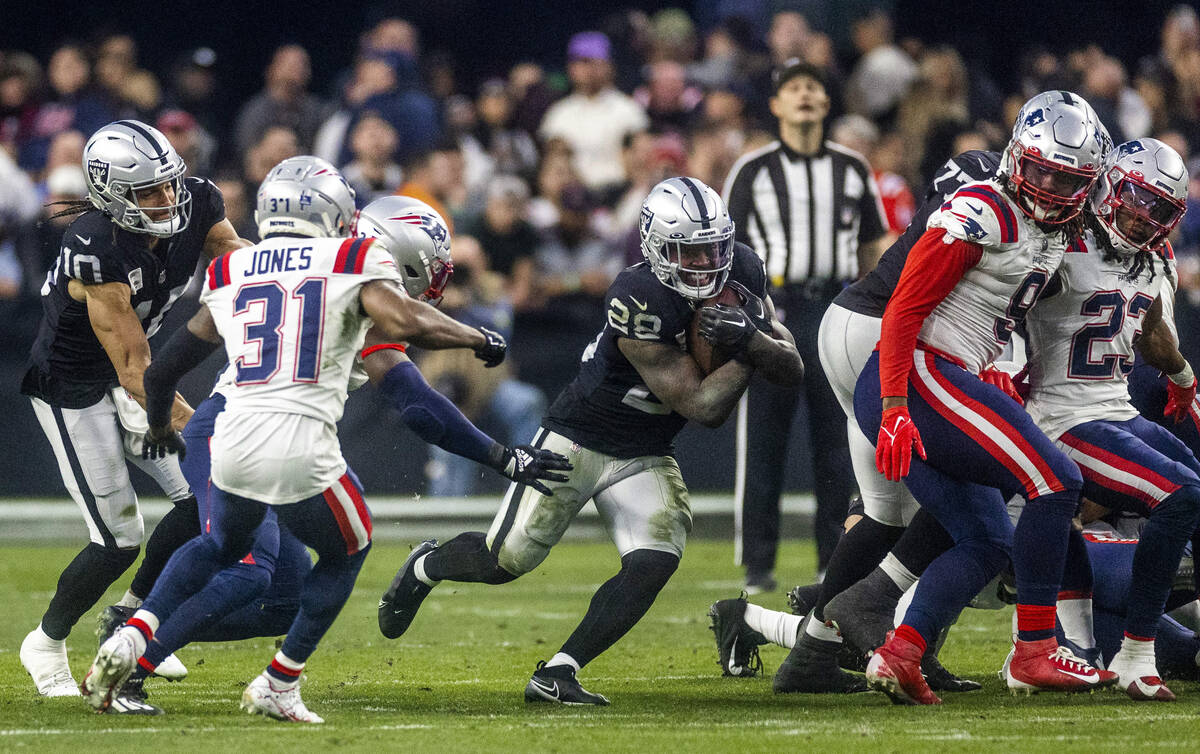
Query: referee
811, 210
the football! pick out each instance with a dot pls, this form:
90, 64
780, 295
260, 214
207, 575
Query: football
708, 356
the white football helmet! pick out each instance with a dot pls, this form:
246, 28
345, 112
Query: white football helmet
305, 196
128, 156
687, 237
1056, 152
418, 239
1141, 196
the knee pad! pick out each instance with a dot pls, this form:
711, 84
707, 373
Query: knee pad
653, 567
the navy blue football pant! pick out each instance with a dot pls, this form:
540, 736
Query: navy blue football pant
982, 449
1138, 467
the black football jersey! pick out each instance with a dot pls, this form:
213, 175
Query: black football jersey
68, 366
870, 295
608, 408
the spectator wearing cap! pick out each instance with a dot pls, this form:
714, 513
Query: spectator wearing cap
811, 210
595, 116
374, 172
511, 150
193, 89
194, 144
574, 265
284, 101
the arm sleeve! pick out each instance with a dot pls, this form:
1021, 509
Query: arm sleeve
931, 272
182, 353
433, 417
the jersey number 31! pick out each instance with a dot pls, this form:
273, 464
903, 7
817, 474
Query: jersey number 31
267, 332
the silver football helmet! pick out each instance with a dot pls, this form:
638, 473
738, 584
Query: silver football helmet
418, 239
124, 159
305, 196
687, 237
1057, 148
1141, 196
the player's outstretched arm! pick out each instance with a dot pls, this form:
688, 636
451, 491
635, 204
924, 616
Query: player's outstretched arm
398, 317
436, 420
187, 348
120, 332
676, 380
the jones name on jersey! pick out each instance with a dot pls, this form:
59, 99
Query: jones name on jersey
608, 408
68, 366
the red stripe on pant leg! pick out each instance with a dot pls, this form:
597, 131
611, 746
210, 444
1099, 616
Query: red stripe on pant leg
360, 505
1151, 477
985, 442
343, 523
998, 422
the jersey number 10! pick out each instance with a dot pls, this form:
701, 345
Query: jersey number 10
267, 333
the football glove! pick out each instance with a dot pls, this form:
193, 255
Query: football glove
1179, 398
728, 326
493, 350
160, 443
993, 376
525, 464
898, 436
753, 306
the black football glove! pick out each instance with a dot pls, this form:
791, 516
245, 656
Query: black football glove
727, 326
493, 350
160, 443
753, 306
525, 464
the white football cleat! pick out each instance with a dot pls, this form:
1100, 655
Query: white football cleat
261, 697
171, 669
113, 665
46, 662
1139, 678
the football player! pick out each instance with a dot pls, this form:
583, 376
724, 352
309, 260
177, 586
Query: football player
636, 388
124, 261
1104, 301
986, 256
259, 595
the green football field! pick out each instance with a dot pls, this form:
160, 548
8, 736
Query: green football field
454, 682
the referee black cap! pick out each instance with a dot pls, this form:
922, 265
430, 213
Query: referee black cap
793, 67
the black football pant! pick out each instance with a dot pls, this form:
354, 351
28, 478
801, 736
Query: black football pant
764, 423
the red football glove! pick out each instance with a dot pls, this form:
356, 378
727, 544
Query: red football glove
1179, 400
894, 446
994, 376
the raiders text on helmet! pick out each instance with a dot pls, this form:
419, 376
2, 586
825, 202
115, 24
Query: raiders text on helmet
129, 156
687, 237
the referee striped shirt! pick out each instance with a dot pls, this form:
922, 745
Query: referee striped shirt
805, 215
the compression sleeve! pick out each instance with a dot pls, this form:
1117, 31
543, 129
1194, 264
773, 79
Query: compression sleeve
932, 270
434, 418
182, 353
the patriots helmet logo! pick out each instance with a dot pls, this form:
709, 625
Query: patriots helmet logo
305, 199
1035, 117
1131, 147
972, 228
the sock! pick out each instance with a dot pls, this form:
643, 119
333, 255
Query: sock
620, 603
951, 582
560, 659
897, 574
820, 630
778, 627
82, 583
180, 524
1039, 555
46, 640
858, 551
921, 543
912, 636
1138, 651
130, 600
1156, 559
326, 589
465, 558
136, 630
283, 671
419, 572
1075, 615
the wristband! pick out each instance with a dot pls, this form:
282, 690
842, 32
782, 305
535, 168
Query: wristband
1184, 377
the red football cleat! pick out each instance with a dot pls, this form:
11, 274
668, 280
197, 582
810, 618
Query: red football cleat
1138, 675
1045, 666
895, 669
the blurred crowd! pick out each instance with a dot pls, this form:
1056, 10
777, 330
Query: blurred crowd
542, 172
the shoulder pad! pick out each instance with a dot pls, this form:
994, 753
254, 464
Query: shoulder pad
749, 269
977, 213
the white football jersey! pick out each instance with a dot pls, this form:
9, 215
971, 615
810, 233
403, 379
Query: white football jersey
1081, 339
976, 320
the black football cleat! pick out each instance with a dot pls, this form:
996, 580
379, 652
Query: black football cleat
940, 679
737, 643
112, 618
802, 599
866, 611
400, 602
557, 685
131, 699
812, 668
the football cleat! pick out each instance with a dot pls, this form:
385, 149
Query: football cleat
863, 614
46, 662
131, 699
895, 669
940, 679
113, 617
811, 667
737, 643
262, 697
802, 599
400, 602
557, 685
1138, 677
1043, 665
113, 665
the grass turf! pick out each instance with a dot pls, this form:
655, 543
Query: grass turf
454, 681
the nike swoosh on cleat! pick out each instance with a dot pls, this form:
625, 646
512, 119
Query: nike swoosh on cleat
733, 669
1081, 676
550, 691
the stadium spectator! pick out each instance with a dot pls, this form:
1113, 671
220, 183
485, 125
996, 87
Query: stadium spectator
506, 237
574, 266
667, 98
194, 144
883, 73
239, 206
276, 144
132, 91
883, 155
283, 101
938, 97
374, 172
193, 87
435, 178
510, 149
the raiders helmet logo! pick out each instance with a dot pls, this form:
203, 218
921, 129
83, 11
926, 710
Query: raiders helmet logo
98, 170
